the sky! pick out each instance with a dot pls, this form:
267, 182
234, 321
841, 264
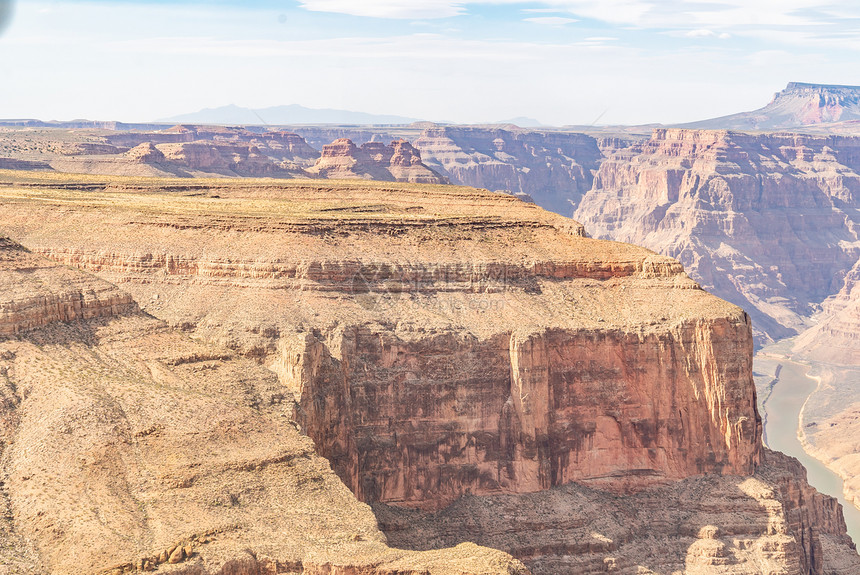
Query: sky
562, 62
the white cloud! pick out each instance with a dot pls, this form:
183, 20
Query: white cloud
404, 9
699, 18
705, 33
551, 20
607, 10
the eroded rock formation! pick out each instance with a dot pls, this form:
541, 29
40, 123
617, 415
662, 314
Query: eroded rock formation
127, 448
448, 344
800, 105
764, 221
555, 169
398, 161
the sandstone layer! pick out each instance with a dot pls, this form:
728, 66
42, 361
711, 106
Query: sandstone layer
765, 221
444, 342
555, 169
716, 525
398, 161
127, 447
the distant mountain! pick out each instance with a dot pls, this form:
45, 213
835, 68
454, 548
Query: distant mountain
797, 106
279, 115
523, 122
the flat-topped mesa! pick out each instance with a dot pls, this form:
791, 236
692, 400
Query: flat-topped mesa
399, 161
439, 340
126, 447
35, 292
799, 106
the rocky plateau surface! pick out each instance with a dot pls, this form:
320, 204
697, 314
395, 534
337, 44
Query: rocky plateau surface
471, 365
128, 448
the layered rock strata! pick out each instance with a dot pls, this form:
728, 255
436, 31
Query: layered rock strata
764, 221
801, 105
38, 292
398, 161
445, 342
769, 522
553, 168
128, 448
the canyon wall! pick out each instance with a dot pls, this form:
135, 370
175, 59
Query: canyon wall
398, 161
446, 345
765, 221
436, 418
129, 448
555, 169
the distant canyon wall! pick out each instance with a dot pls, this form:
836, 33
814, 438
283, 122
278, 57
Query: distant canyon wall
766, 221
454, 353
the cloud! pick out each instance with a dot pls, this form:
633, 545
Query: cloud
551, 20
607, 10
705, 33
428, 47
684, 18
402, 9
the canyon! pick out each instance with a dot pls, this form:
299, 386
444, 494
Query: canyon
464, 382
504, 392
128, 447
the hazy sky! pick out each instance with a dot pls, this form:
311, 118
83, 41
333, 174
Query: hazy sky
560, 61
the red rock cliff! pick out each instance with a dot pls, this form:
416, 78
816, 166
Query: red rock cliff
764, 221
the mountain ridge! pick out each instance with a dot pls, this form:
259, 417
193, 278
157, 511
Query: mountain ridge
799, 105
285, 114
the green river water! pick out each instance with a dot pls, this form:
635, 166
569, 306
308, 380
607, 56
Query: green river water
781, 411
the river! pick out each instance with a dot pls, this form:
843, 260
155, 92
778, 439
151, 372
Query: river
781, 410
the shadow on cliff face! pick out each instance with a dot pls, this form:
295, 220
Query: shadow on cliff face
772, 518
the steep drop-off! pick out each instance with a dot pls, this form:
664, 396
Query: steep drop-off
765, 221
127, 447
449, 345
555, 169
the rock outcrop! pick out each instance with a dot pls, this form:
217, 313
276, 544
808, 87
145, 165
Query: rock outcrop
446, 346
715, 525
127, 447
35, 292
835, 339
800, 105
145, 153
765, 221
553, 168
398, 162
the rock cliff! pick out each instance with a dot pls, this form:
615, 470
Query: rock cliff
127, 448
555, 169
799, 105
765, 221
449, 346
398, 162
716, 525
38, 292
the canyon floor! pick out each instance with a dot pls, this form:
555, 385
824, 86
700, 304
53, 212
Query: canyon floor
260, 376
